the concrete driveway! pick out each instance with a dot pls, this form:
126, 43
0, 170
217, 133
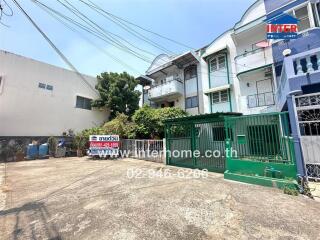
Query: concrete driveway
94, 199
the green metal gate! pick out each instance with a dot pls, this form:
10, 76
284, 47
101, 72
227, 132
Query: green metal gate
197, 141
260, 148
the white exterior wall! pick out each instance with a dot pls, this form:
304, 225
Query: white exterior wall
192, 88
223, 42
236, 45
27, 110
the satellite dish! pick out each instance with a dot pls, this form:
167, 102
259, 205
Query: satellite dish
286, 52
263, 44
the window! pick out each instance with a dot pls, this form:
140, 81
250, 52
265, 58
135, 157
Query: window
301, 14
213, 65
84, 103
219, 133
317, 14
222, 62
190, 72
42, 85
220, 97
45, 86
192, 102
217, 63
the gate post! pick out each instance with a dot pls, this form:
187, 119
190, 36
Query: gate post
295, 134
164, 147
193, 144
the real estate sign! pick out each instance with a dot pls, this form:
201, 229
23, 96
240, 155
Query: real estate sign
104, 145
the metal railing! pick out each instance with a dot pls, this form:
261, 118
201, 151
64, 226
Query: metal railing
260, 100
144, 149
253, 51
177, 79
261, 137
308, 113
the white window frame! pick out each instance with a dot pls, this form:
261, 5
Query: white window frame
314, 6
220, 101
216, 57
310, 14
193, 106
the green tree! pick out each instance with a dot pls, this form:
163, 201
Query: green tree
162, 114
149, 122
121, 126
117, 92
145, 122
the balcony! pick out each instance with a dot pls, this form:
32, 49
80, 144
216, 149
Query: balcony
257, 103
298, 71
261, 100
170, 89
253, 59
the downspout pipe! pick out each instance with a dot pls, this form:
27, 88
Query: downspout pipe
296, 132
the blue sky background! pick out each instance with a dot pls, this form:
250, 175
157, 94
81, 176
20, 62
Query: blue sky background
193, 22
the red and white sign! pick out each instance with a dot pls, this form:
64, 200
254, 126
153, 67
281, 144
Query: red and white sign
95, 144
104, 144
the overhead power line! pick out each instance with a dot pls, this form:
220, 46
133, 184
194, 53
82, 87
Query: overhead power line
64, 58
6, 5
127, 28
140, 27
63, 22
100, 29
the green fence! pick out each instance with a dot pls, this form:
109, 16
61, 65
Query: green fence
260, 146
188, 140
252, 148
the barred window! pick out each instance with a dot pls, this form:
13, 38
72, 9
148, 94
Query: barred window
220, 97
84, 103
217, 63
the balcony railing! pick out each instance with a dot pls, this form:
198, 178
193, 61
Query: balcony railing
170, 88
253, 59
261, 100
298, 70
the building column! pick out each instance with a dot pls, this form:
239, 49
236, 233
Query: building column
309, 65
299, 66
295, 134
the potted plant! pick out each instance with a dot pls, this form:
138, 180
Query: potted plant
80, 142
19, 153
52, 142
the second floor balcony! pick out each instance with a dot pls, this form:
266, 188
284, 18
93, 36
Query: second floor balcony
254, 59
260, 100
298, 71
173, 88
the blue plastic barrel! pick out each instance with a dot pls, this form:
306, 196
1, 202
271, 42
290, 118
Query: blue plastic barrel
43, 150
32, 151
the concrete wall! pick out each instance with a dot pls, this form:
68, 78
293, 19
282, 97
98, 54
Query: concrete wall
27, 110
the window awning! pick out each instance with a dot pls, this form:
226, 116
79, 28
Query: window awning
144, 80
217, 89
183, 59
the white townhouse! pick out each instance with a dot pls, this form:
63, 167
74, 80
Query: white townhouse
174, 81
234, 73
38, 99
239, 61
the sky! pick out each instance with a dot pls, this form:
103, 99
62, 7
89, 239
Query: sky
195, 23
